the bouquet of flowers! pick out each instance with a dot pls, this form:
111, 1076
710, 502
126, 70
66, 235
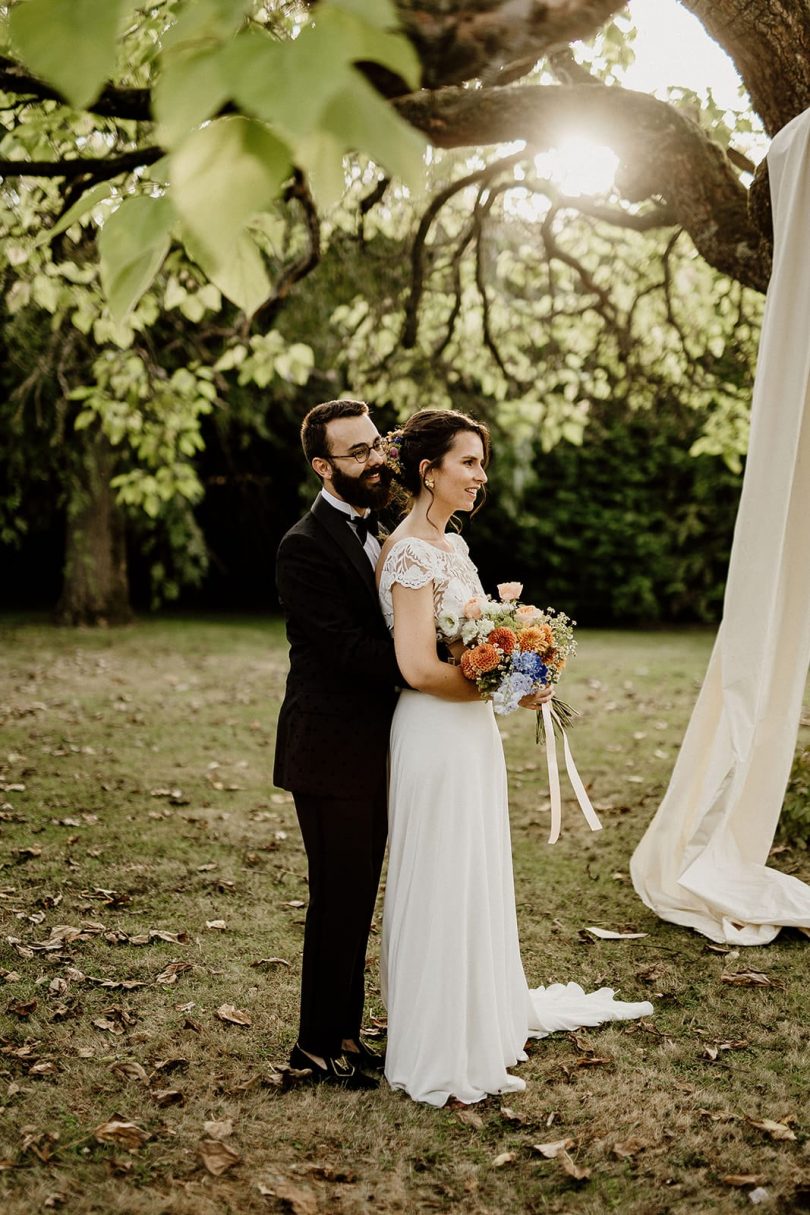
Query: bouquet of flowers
514, 648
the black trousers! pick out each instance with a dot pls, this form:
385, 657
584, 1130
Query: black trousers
344, 840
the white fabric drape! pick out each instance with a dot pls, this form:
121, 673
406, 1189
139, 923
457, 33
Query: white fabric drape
702, 860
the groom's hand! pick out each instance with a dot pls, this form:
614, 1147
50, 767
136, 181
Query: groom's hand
535, 699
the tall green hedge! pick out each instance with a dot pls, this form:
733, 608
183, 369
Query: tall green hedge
629, 528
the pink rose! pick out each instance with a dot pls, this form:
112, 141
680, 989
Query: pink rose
509, 591
472, 608
527, 613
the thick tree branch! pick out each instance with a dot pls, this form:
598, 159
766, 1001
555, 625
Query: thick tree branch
98, 168
409, 329
679, 161
264, 317
660, 216
769, 44
459, 40
130, 104
483, 204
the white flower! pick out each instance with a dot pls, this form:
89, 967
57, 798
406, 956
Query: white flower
473, 631
448, 623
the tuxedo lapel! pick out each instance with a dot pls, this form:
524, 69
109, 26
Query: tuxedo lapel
336, 523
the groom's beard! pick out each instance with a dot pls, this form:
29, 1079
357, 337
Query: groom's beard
358, 492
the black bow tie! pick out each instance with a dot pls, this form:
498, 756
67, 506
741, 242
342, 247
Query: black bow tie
367, 526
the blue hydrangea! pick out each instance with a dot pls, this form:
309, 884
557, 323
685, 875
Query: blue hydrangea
529, 663
515, 686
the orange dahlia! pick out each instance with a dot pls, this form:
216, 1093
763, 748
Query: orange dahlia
479, 660
505, 639
538, 637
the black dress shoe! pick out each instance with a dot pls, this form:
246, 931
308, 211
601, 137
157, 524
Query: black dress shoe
363, 1058
337, 1071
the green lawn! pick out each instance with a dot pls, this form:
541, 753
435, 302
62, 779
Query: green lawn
135, 800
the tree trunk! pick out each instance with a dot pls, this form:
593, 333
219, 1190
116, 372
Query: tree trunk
95, 590
770, 46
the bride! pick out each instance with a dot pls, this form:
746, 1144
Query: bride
459, 1007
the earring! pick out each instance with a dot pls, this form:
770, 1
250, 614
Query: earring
429, 484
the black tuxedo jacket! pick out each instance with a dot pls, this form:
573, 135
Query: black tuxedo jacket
333, 728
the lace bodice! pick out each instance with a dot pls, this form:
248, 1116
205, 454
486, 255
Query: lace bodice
413, 563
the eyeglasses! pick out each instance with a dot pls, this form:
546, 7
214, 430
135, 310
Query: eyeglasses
361, 452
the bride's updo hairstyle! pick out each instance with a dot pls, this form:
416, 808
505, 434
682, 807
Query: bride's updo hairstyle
428, 435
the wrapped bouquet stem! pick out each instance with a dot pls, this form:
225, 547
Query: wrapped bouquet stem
513, 650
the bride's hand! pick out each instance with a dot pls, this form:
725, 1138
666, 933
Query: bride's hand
535, 699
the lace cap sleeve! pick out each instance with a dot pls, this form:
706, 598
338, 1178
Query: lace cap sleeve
409, 563
458, 542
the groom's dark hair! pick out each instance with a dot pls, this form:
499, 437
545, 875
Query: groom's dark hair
313, 427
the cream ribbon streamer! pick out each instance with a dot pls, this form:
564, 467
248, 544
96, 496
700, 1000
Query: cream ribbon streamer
549, 718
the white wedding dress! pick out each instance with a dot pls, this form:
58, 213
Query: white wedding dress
459, 1007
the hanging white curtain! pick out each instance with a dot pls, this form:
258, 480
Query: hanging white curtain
702, 860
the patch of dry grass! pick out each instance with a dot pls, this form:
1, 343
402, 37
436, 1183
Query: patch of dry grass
136, 767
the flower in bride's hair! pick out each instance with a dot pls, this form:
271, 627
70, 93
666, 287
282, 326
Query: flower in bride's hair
505, 639
391, 445
527, 613
474, 608
479, 660
537, 637
509, 591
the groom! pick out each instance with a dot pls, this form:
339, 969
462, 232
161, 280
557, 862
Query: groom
332, 740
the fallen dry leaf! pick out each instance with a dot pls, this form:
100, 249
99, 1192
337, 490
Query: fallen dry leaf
46, 1068
21, 1008
28, 854
124, 1134
293, 903
326, 1172
168, 1096
552, 1150
504, 1158
217, 1156
41, 1144
169, 973
172, 1064
130, 1069
627, 1148
219, 924
606, 934
302, 1199
219, 1130
743, 1179
717, 1115
776, 1130
470, 1118
172, 938
746, 978
269, 962
236, 1016
576, 1171
104, 1023
511, 1115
